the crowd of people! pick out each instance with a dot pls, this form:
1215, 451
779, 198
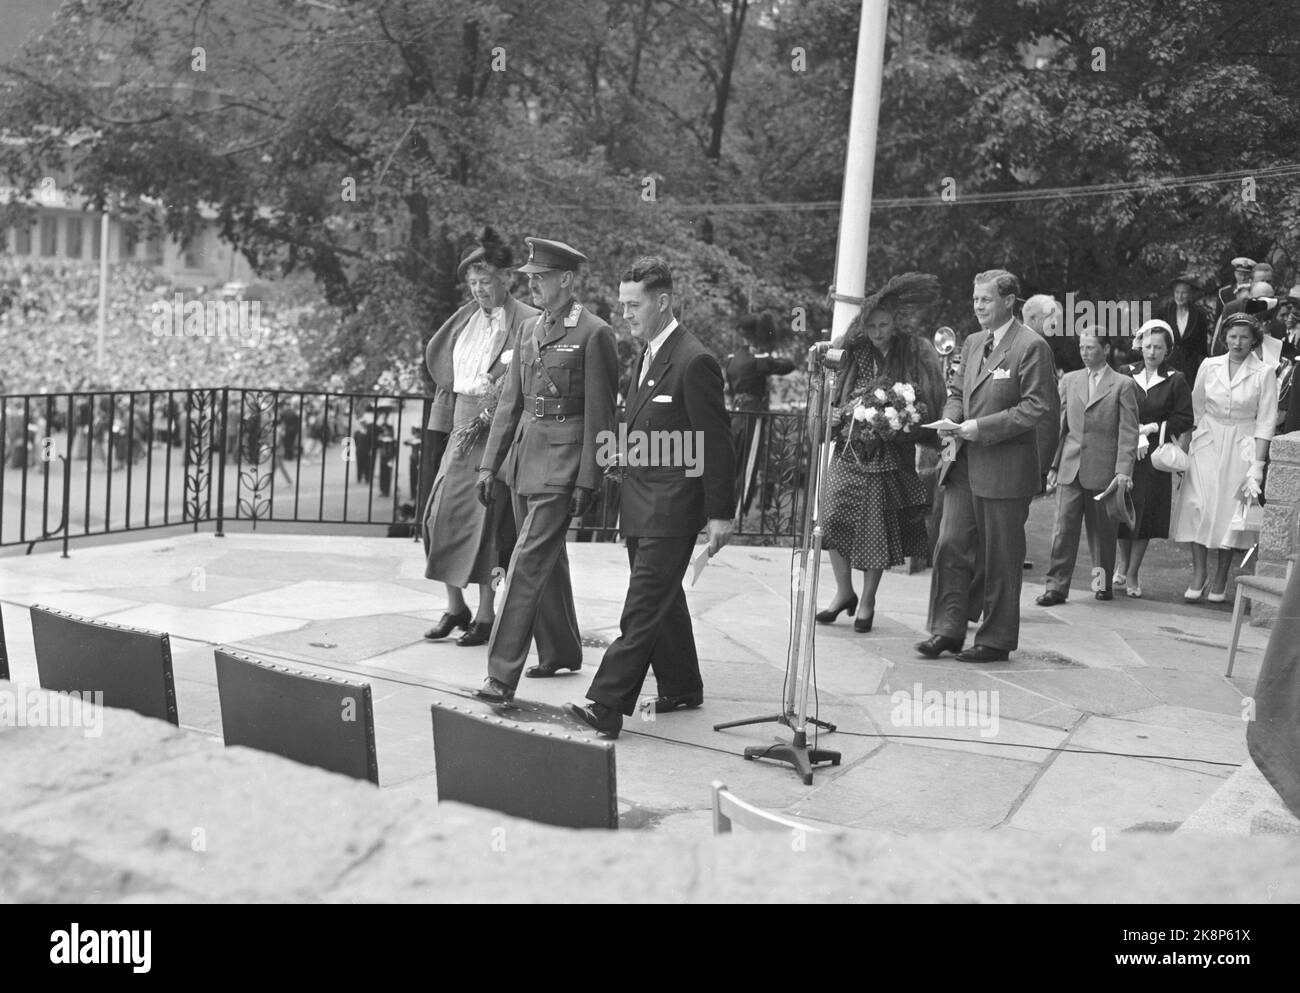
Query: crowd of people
49, 314
1162, 434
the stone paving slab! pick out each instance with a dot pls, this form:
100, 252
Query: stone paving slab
235, 825
1086, 792
1096, 691
906, 787
1172, 693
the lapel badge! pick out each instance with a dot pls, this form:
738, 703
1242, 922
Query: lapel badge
572, 320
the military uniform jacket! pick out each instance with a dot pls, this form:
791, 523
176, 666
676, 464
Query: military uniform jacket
572, 358
681, 395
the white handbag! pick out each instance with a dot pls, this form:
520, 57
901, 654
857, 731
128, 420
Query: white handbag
1168, 457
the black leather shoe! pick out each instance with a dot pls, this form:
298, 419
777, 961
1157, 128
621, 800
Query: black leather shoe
667, 704
601, 719
478, 634
935, 646
1105, 595
494, 691
447, 624
1052, 598
546, 671
828, 616
982, 653
861, 626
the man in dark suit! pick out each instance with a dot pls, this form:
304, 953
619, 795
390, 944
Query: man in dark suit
675, 406
1190, 327
1099, 436
990, 474
557, 403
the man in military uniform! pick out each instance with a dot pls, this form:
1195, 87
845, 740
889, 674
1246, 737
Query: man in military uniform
557, 400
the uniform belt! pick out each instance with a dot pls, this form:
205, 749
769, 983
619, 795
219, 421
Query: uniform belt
555, 406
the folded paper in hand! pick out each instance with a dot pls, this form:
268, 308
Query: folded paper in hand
698, 565
946, 424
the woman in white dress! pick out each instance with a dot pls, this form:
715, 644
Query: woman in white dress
1235, 405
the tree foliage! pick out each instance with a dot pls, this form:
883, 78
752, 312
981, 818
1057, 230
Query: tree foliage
687, 128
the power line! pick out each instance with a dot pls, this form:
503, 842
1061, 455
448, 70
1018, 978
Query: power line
961, 199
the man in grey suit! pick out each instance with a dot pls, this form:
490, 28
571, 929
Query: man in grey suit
989, 474
556, 406
1099, 436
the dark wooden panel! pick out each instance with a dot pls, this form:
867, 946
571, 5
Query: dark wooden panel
311, 719
131, 667
551, 778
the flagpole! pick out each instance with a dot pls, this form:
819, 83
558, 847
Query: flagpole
850, 282
103, 289
860, 166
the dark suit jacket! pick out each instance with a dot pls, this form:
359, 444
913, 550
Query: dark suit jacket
1098, 438
682, 393
549, 454
1009, 398
1191, 349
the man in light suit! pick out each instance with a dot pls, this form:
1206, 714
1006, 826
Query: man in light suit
1099, 436
989, 475
676, 396
557, 403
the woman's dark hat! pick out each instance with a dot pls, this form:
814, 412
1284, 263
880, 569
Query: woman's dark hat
1189, 279
490, 250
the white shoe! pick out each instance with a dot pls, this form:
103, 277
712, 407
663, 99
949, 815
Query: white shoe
1135, 592
1119, 579
1217, 597
1192, 595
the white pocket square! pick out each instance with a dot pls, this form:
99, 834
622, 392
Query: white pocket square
1001, 373
661, 398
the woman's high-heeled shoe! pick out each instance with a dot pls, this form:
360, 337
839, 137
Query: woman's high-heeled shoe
447, 624
1193, 595
828, 616
1217, 597
863, 626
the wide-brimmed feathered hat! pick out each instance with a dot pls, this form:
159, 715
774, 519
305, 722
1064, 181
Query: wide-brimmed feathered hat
905, 296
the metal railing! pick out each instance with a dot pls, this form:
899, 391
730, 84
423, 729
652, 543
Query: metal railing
74, 465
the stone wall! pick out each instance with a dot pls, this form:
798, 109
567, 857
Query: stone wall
1282, 493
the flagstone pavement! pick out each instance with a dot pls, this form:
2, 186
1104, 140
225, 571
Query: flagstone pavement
1111, 717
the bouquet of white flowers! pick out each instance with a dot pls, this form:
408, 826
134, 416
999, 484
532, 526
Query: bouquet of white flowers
880, 412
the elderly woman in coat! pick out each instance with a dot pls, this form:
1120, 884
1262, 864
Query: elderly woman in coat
464, 541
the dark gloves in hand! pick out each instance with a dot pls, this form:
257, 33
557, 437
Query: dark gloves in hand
486, 480
581, 501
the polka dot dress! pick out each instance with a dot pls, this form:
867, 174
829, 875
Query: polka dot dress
874, 505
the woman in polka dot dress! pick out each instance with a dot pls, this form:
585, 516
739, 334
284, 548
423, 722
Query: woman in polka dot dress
874, 505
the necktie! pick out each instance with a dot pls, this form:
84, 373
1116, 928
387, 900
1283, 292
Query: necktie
646, 359
1094, 378
988, 350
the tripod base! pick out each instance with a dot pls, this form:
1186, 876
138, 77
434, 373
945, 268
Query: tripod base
786, 719
798, 755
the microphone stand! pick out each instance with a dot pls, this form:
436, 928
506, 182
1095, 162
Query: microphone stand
797, 753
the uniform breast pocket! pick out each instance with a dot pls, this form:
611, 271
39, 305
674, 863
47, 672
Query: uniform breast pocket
565, 370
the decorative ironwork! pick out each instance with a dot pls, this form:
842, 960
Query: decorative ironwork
203, 418
781, 475
256, 440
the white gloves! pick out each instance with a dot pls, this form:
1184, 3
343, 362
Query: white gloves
1254, 484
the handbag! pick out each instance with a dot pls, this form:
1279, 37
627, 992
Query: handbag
1249, 516
1168, 457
